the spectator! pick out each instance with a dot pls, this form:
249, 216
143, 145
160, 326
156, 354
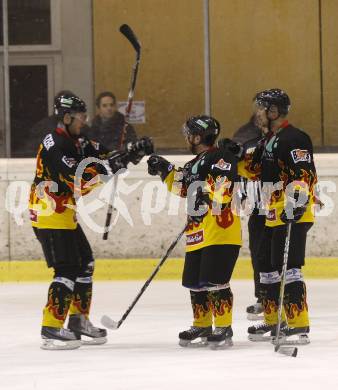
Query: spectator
108, 125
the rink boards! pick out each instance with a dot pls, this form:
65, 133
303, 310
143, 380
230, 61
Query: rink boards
140, 269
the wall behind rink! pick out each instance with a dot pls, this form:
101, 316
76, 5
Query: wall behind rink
254, 45
150, 233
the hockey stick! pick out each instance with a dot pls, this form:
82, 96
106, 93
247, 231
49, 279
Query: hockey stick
289, 351
129, 34
111, 324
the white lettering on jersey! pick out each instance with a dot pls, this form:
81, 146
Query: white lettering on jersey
299, 155
69, 161
48, 141
271, 215
222, 165
195, 238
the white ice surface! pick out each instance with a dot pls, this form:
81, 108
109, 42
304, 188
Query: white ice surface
144, 354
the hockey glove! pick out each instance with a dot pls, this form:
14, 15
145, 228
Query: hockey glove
158, 165
293, 213
118, 160
137, 150
201, 206
226, 144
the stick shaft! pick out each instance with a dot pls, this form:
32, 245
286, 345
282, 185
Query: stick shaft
129, 34
282, 282
151, 277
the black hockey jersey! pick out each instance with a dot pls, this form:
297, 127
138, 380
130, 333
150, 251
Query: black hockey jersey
217, 170
52, 202
284, 158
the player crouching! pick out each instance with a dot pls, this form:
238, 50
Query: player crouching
213, 235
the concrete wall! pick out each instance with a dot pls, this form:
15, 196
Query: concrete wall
148, 235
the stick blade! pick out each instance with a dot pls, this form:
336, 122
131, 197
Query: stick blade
288, 351
129, 34
107, 322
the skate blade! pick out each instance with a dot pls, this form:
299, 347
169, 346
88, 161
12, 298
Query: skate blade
93, 340
224, 344
259, 338
201, 343
51, 344
301, 339
254, 317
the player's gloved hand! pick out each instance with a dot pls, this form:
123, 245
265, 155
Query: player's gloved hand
137, 150
293, 213
118, 160
202, 202
226, 144
158, 165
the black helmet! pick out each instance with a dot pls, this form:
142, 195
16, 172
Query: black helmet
276, 97
66, 104
205, 126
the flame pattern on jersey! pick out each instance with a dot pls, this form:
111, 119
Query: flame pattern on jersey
52, 197
286, 157
217, 170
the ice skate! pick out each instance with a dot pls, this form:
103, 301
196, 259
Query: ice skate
58, 338
291, 336
86, 331
195, 336
254, 311
221, 338
260, 332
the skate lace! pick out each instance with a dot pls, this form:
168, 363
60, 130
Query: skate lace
220, 330
262, 325
194, 330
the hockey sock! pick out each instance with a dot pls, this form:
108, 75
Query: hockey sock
270, 303
295, 305
201, 308
221, 302
270, 287
59, 298
82, 296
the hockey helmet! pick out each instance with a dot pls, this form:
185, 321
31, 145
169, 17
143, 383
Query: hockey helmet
274, 97
67, 104
205, 126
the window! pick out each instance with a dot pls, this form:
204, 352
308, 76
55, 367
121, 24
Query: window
29, 104
29, 22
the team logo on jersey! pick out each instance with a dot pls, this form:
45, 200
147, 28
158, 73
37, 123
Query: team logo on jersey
271, 215
69, 161
222, 165
48, 141
299, 155
195, 238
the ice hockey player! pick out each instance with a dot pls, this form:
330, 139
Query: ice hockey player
213, 236
285, 159
53, 217
247, 137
